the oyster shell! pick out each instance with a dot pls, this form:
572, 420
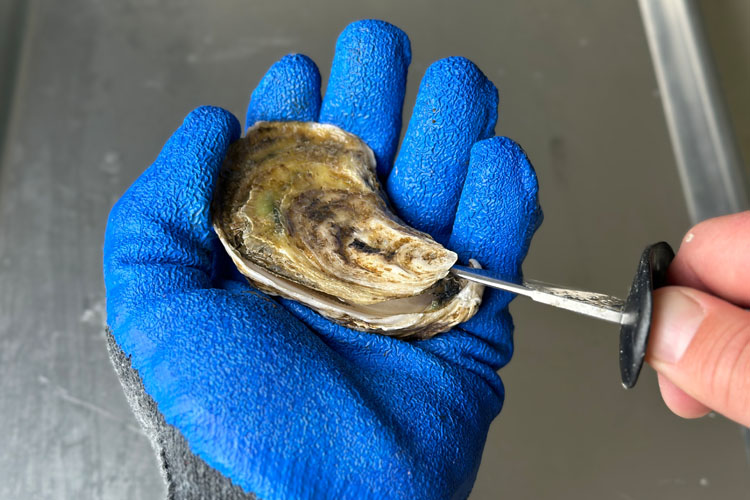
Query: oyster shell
300, 211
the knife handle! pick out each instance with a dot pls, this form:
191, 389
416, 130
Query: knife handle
638, 310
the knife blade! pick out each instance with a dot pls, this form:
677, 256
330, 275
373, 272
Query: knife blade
632, 314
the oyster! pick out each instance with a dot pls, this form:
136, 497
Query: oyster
300, 211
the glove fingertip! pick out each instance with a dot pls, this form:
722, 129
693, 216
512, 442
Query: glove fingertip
462, 76
289, 91
367, 84
502, 156
212, 118
298, 60
369, 32
499, 210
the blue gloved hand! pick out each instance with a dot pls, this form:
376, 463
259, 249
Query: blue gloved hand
280, 400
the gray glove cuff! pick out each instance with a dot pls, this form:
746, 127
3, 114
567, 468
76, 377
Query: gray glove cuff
186, 475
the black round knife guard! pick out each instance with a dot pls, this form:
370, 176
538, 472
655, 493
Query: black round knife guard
651, 274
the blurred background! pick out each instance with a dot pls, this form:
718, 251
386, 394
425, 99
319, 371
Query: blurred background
91, 89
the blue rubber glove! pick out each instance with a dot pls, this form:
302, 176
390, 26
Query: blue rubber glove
269, 393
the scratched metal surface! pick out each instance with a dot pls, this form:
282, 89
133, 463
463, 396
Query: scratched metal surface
101, 85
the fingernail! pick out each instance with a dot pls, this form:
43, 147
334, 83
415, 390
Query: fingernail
677, 317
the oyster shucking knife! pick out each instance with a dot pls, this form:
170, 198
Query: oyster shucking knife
632, 314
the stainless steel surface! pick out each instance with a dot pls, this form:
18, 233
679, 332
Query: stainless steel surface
101, 85
12, 25
596, 305
728, 36
711, 170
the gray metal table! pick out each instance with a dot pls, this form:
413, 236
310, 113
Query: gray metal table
100, 86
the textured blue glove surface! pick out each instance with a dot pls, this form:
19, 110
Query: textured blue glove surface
283, 402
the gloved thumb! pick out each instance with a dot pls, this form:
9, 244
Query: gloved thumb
700, 346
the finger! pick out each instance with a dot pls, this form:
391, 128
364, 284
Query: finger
456, 347
456, 107
366, 88
679, 402
159, 236
713, 258
702, 345
497, 215
290, 91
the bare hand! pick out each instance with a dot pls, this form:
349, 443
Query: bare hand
700, 344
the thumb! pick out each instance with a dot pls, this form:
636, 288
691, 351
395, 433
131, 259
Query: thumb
700, 346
